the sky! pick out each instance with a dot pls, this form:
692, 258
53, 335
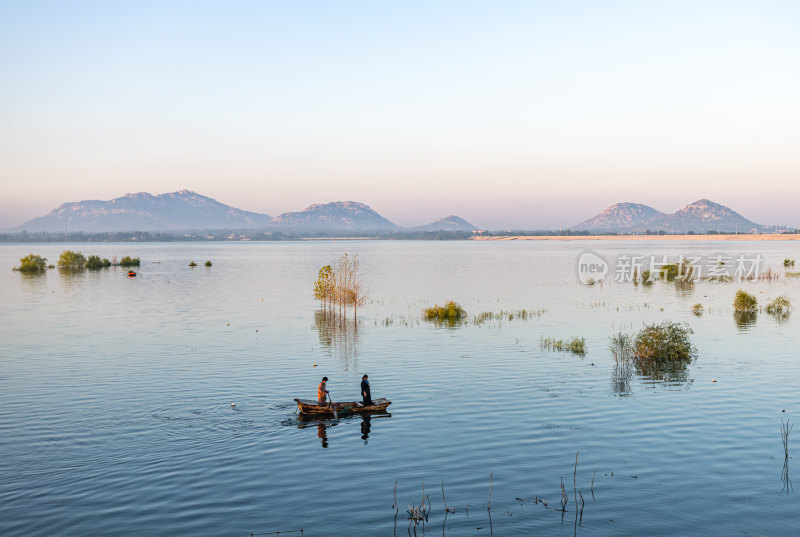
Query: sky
510, 114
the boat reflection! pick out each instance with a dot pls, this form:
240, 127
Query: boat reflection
322, 425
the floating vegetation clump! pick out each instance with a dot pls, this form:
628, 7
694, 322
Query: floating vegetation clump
192, 264
208, 263
788, 263
744, 302
95, 263
697, 309
723, 278
128, 261
503, 315
71, 260
660, 352
681, 271
32, 263
575, 345
451, 312
667, 341
621, 346
780, 306
792, 274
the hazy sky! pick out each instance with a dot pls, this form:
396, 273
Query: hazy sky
510, 114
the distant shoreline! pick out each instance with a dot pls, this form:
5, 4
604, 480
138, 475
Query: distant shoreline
675, 238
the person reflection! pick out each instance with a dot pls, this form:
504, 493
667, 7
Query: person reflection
365, 426
322, 434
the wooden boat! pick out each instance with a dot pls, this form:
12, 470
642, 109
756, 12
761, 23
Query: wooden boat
307, 406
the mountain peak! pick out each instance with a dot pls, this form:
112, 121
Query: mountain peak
336, 215
701, 215
448, 223
142, 211
621, 217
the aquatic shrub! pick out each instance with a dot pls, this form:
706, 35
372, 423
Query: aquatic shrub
192, 264
621, 346
128, 261
788, 263
667, 341
71, 260
32, 263
522, 315
744, 302
208, 263
681, 271
575, 345
95, 263
697, 309
792, 274
780, 306
450, 312
647, 277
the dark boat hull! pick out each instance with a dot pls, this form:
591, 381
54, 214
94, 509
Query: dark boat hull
309, 407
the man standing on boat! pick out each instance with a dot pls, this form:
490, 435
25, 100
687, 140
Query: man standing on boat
365, 390
322, 391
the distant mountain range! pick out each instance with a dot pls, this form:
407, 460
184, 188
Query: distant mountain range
187, 210
700, 216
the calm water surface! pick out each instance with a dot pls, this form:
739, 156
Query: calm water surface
115, 396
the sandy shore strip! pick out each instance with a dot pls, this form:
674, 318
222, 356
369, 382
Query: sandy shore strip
674, 238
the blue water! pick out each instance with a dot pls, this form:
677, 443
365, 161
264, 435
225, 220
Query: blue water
116, 392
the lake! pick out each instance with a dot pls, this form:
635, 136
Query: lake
116, 393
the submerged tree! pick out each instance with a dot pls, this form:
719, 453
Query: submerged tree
340, 287
71, 260
32, 263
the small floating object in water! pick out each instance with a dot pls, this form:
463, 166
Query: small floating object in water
261, 299
233, 404
315, 365
228, 324
131, 274
713, 380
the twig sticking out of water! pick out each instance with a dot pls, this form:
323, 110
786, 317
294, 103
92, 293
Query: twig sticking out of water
490, 492
574, 479
395, 497
447, 509
786, 429
417, 514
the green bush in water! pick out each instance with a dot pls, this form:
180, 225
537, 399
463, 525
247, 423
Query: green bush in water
192, 264
779, 306
128, 261
71, 260
94, 262
788, 263
208, 263
665, 341
744, 302
697, 309
451, 312
32, 263
575, 345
